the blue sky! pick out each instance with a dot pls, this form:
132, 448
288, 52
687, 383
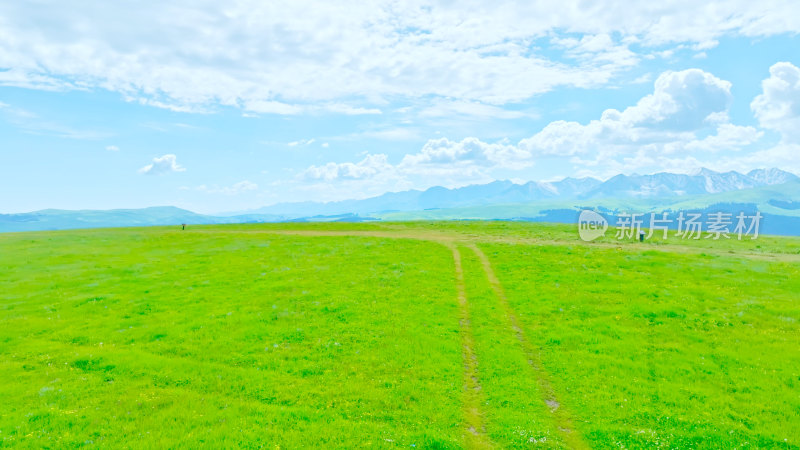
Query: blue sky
227, 106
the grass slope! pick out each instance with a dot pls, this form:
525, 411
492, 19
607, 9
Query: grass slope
660, 351
346, 335
177, 339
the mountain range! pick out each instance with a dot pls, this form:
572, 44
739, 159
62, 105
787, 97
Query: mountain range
772, 191
656, 186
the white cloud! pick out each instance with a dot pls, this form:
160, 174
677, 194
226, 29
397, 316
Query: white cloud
112, 148
449, 108
272, 107
31, 80
370, 166
452, 163
161, 165
680, 101
678, 127
442, 155
400, 133
681, 104
301, 142
390, 134
281, 108
599, 49
728, 137
778, 106
707, 45
349, 57
342, 108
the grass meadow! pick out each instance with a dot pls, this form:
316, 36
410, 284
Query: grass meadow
408, 335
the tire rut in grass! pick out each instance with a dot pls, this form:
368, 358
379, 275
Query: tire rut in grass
450, 237
476, 431
562, 418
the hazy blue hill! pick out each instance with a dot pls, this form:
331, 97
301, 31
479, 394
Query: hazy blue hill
55, 219
392, 201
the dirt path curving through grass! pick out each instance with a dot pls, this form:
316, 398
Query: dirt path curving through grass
475, 435
561, 416
476, 430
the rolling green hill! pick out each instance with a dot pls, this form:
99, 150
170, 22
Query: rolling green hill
56, 219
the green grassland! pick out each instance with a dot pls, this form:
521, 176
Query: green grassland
412, 335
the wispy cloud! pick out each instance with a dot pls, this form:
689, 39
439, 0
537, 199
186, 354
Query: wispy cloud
396, 133
301, 142
32, 123
307, 57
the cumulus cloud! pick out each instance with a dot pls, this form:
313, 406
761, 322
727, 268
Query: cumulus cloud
778, 106
681, 123
468, 158
348, 57
727, 137
685, 100
368, 167
161, 165
444, 155
681, 104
